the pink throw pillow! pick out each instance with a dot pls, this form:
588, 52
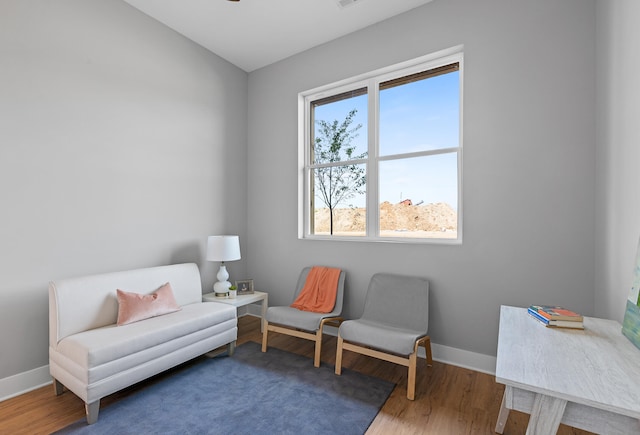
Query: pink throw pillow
133, 307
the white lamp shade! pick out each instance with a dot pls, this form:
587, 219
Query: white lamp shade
223, 248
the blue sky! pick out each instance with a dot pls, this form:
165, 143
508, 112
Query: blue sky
419, 116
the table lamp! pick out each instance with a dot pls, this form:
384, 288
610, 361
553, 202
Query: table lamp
223, 248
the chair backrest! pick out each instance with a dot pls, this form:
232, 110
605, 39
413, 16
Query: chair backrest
398, 301
337, 309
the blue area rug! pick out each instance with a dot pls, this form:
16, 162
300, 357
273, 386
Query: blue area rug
253, 393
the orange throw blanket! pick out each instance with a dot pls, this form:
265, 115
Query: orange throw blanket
319, 292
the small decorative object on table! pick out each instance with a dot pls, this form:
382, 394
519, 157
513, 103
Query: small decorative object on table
631, 321
245, 286
233, 291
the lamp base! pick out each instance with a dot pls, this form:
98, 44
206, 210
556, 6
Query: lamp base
221, 295
222, 286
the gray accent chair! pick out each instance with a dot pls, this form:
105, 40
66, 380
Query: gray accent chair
303, 324
393, 326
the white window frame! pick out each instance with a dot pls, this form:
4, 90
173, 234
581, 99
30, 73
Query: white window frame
371, 80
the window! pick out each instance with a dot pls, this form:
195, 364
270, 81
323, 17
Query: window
380, 155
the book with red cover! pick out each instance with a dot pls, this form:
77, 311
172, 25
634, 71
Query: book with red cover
557, 313
554, 323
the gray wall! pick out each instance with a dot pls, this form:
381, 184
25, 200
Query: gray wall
529, 158
120, 144
618, 154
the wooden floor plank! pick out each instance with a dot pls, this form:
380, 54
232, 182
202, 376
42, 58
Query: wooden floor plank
449, 399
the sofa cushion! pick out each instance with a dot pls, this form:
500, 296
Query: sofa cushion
133, 307
96, 347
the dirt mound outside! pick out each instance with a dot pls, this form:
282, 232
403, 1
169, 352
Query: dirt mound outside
435, 217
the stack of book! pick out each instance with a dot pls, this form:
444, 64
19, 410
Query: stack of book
556, 316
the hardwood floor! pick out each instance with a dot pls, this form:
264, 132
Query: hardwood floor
449, 399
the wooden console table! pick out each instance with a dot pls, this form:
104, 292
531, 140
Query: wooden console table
589, 379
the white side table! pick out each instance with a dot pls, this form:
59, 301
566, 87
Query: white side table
241, 301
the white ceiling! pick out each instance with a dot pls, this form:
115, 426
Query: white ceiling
255, 33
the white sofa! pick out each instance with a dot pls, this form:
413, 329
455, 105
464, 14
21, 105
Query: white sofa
93, 357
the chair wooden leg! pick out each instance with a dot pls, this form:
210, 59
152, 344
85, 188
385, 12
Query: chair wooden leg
265, 334
339, 356
316, 357
427, 348
411, 377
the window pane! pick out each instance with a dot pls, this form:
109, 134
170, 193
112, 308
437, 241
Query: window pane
340, 127
419, 197
339, 201
421, 115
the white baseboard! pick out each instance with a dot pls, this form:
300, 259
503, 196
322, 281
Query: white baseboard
444, 354
27, 381
24, 382
463, 358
